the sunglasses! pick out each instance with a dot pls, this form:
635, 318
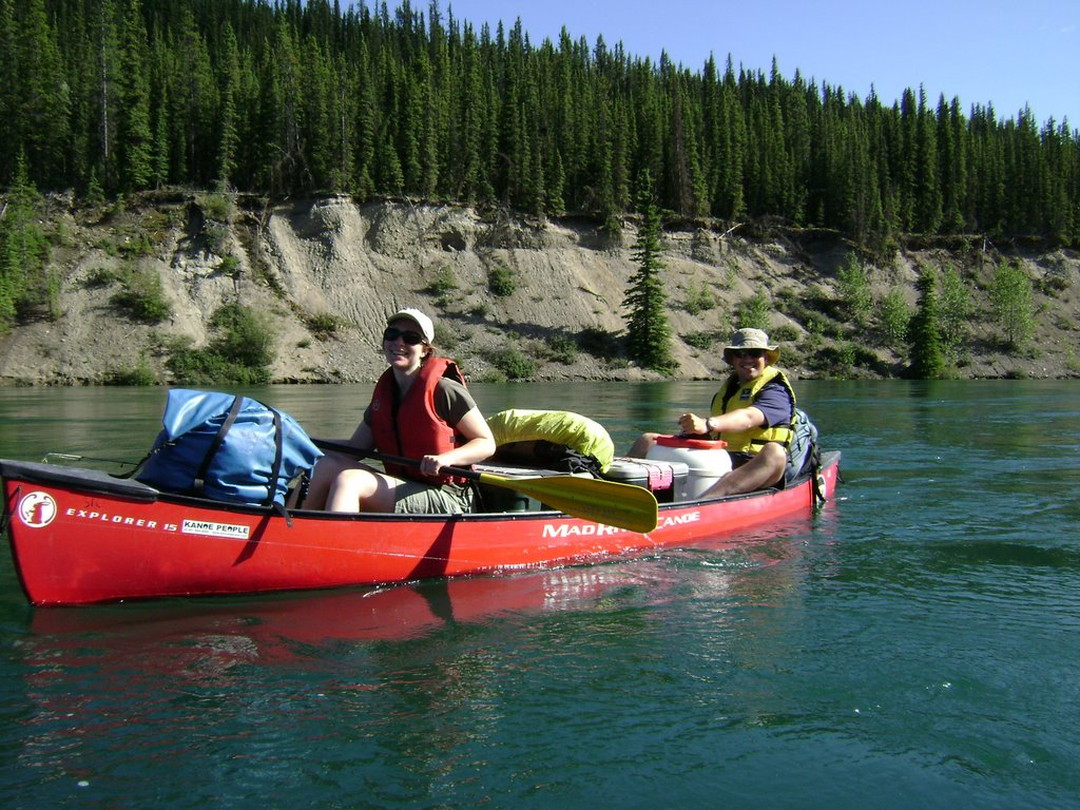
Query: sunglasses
408, 336
747, 353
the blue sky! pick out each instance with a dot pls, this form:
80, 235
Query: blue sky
1006, 52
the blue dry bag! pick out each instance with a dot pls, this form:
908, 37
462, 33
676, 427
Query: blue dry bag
227, 448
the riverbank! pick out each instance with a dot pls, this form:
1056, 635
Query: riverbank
511, 297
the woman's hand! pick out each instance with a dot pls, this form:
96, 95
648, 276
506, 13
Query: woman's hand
431, 465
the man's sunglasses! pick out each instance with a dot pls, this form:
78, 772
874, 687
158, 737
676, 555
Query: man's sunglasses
393, 333
747, 352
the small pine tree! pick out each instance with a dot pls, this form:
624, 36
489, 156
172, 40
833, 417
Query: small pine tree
25, 284
924, 334
648, 331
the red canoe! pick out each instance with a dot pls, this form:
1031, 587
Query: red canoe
80, 536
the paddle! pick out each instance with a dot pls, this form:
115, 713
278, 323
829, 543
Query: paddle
609, 502
67, 457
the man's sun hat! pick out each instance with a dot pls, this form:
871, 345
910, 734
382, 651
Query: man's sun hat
427, 328
749, 338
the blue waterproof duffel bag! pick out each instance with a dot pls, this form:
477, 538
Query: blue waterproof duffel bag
227, 448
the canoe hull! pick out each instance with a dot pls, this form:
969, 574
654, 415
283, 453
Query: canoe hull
81, 537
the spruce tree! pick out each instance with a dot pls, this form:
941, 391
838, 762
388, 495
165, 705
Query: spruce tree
134, 137
928, 201
924, 333
44, 103
317, 120
648, 333
24, 250
228, 142
366, 142
731, 196
9, 102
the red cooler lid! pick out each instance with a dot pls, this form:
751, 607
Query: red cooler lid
691, 443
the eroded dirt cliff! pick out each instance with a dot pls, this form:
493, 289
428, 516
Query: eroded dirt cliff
326, 272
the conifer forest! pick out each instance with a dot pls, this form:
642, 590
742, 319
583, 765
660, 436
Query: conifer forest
109, 97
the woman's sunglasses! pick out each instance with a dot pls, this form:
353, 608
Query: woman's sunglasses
393, 333
747, 352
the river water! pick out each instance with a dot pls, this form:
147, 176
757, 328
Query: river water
916, 644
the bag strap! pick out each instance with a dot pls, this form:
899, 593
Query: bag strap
138, 466
275, 473
199, 484
279, 454
815, 473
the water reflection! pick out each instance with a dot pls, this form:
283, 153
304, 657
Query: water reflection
274, 628
418, 677
167, 636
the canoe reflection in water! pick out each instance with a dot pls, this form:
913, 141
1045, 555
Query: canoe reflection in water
200, 636
151, 683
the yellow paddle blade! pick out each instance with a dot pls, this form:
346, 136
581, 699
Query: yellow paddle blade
608, 502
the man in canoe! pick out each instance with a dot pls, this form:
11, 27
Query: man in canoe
754, 412
420, 410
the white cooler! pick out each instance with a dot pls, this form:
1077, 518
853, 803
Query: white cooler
706, 459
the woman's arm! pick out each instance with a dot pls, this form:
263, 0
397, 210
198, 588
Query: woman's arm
362, 438
480, 445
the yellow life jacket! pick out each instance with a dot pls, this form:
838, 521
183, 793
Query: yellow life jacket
558, 427
734, 396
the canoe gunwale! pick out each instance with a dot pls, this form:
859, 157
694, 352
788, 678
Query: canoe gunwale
102, 483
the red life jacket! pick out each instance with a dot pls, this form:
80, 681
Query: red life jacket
411, 427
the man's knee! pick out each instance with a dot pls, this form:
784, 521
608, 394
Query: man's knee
774, 451
774, 457
644, 443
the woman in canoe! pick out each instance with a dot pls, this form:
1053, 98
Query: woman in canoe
420, 410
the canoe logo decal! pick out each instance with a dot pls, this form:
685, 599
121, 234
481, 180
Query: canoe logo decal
562, 530
37, 509
212, 529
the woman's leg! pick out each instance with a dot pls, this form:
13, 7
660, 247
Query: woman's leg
322, 478
361, 490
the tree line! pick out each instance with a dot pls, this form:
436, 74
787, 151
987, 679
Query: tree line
109, 97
